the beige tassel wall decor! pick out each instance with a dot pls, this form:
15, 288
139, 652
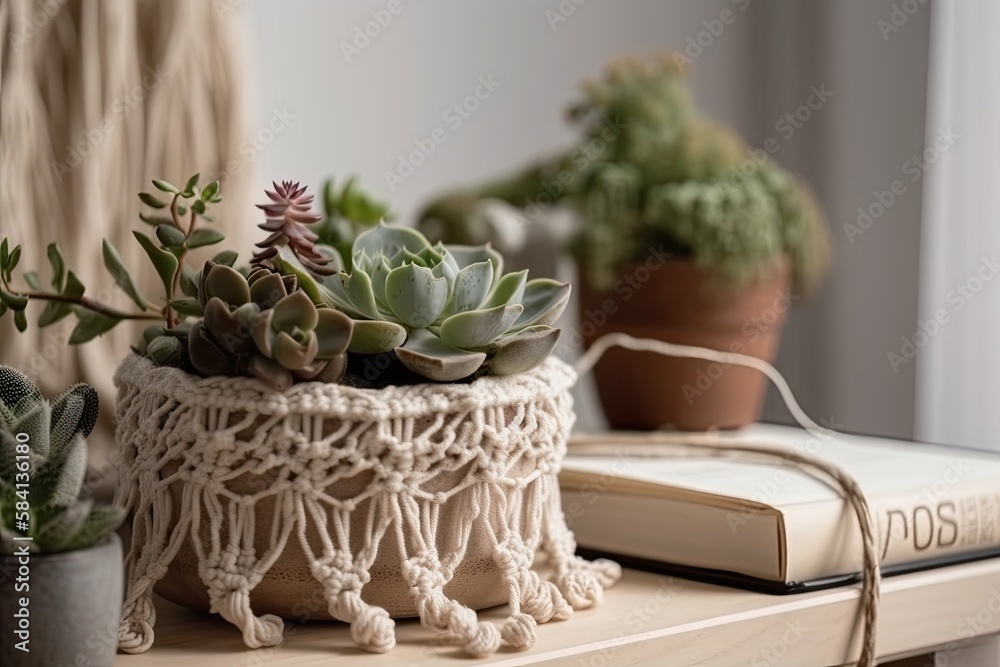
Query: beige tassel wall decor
96, 98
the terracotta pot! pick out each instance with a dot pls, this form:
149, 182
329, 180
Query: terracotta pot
676, 302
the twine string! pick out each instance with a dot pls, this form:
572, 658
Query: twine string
673, 444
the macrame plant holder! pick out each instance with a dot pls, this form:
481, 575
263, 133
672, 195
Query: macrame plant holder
386, 496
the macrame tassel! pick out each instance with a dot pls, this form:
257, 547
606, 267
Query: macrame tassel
135, 634
531, 600
258, 631
581, 582
371, 627
438, 613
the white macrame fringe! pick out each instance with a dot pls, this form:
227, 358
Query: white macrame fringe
218, 429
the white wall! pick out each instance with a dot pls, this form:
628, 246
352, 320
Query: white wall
359, 116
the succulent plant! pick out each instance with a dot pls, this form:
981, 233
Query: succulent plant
346, 213
444, 310
263, 326
288, 214
43, 460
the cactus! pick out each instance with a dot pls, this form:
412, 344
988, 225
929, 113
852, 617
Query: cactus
446, 311
43, 460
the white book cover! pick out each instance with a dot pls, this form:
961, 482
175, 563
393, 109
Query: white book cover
777, 522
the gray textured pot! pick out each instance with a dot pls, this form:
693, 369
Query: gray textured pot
74, 604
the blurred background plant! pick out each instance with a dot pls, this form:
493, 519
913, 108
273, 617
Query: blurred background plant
346, 213
649, 171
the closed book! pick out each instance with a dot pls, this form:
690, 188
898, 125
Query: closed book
777, 527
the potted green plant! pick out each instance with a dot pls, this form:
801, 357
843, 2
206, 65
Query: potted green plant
61, 583
687, 236
315, 435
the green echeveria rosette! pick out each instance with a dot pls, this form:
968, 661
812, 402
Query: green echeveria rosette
444, 310
265, 327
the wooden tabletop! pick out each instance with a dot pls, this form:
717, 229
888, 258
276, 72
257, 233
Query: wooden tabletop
646, 619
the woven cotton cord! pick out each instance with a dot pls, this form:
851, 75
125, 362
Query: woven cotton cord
871, 575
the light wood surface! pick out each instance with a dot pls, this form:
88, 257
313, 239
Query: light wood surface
650, 620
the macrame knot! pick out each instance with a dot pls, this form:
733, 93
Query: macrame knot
484, 642
221, 441
374, 631
519, 631
424, 571
607, 571
511, 558
395, 482
581, 587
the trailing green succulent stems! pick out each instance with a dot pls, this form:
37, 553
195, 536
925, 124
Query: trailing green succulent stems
175, 217
650, 171
445, 311
43, 460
